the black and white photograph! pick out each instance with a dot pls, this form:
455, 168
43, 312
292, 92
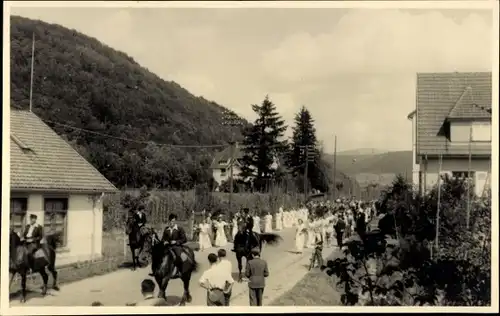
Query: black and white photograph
322, 156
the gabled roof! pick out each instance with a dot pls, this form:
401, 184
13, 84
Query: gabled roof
222, 158
467, 108
440, 93
41, 160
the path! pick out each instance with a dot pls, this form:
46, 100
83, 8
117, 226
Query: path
123, 286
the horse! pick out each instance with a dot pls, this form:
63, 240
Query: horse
164, 268
244, 243
21, 261
137, 240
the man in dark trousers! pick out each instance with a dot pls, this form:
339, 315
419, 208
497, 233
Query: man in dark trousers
360, 224
33, 234
174, 237
248, 223
339, 230
256, 272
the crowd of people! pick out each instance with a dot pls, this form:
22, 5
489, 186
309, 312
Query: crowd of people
330, 221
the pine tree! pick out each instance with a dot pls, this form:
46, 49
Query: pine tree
304, 135
263, 143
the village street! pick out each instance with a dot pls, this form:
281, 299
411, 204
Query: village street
121, 287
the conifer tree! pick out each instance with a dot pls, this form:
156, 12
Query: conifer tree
263, 144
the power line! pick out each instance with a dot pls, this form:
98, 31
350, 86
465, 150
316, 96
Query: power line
147, 142
131, 140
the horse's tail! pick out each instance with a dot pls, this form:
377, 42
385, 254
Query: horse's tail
270, 238
52, 240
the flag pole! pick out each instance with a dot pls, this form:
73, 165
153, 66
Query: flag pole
468, 178
32, 70
438, 202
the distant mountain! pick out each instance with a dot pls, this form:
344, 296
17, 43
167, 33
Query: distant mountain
361, 151
380, 167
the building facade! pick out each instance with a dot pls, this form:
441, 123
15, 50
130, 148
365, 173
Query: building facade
452, 129
53, 181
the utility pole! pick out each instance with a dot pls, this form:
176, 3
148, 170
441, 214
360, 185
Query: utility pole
335, 168
32, 70
231, 119
469, 178
309, 156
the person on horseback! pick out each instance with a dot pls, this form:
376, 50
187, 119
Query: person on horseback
174, 237
246, 220
33, 234
140, 216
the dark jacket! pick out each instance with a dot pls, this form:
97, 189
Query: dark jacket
140, 221
248, 222
37, 235
340, 226
179, 235
256, 272
361, 224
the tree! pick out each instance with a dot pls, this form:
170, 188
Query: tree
304, 136
262, 144
378, 269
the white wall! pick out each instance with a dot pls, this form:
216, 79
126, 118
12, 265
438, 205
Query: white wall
481, 167
84, 219
219, 178
460, 131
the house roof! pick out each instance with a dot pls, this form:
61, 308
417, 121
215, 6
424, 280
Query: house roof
467, 108
222, 158
441, 96
41, 160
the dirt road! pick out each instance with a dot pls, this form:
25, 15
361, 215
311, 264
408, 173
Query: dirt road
123, 286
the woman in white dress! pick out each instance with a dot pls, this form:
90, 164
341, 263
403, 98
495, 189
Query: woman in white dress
256, 224
268, 226
221, 238
311, 234
204, 237
234, 229
300, 237
279, 219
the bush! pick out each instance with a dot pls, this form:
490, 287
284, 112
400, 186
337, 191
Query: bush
399, 264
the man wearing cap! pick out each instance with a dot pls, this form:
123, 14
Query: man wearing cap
174, 237
33, 234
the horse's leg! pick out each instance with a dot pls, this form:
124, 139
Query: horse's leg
52, 268
132, 250
162, 284
23, 286
186, 297
12, 275
239, 258
45, 278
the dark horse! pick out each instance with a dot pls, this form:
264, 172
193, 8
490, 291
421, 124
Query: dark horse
165, 270
137, 238
244, 243
21, 261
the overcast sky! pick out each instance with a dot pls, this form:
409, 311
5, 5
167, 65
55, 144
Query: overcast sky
354, 69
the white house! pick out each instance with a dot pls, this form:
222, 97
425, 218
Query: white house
452, 120
50, 179
221, 165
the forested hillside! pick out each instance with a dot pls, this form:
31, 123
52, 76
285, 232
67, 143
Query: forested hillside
82, 83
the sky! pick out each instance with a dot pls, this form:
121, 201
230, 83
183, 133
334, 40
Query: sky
354, 69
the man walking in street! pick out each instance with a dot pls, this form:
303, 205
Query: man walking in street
147, 291
339, 230
256, 272
225, 265
216, 281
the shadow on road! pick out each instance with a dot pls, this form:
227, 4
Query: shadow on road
30, 294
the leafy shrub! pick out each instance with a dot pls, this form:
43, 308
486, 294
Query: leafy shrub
399, 264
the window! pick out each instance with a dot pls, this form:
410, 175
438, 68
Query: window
18, 208
481, 131
56, 211
463, 175
223, 172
